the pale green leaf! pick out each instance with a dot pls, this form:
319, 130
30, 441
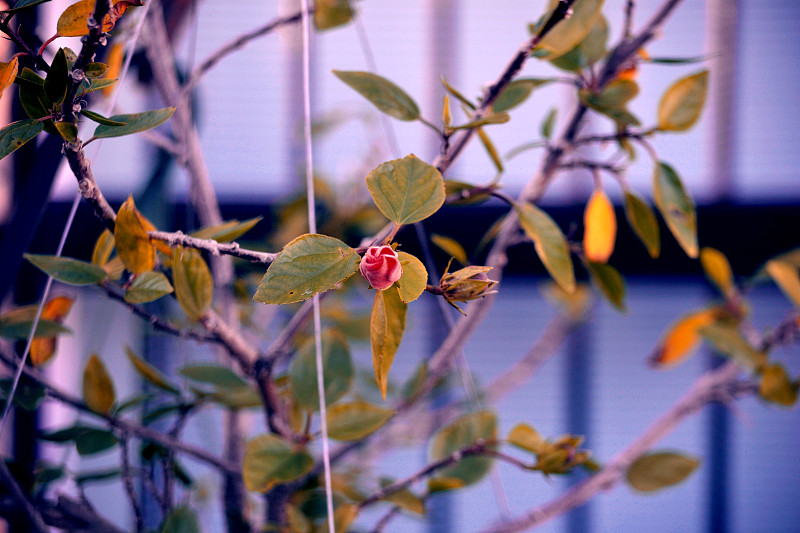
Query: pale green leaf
550, 243
194, 286
355, 420
134, 123
517, 92
213, 374
338, 370
451, 247
228, 231
414, 279
643, 222
309, 264
465, 431
148, 287
681, 105
181, 520
270, 460
68, 270
727, 339
658, 470
568, 33
590, 50
676, 206
383, 94
406, 190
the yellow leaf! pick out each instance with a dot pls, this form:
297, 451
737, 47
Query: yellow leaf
786, 277
133, 244
451, 247
103, 248
194, 286
682, 337
387, 324
98, 389
717, 268
776, 387
73, 22
43, 348
8, 71
600, 228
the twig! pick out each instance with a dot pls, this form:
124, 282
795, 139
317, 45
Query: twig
717, 385
384, 521
244, 354
127, 480
232, 46
628, 26
126, 426
38, 61
33, 515
80, 167
213, 247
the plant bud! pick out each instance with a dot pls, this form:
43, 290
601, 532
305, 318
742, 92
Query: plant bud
381, 267
469, 283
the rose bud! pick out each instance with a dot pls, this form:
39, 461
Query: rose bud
469, 283
381, 267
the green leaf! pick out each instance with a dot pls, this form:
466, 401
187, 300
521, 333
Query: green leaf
29, 395
150, 374
657, 470
95, 69
525, 437
22, 4
609, 281
92, 85
67, 130
612, 101
338, 370
270, 460
100, 119
465, 431
488, 145
92, 441
387, 323
309, 264
494, 118
194, 286
776, 387
568, 33
228, 231
414, 279
547, 124
405, 499
214, 374
550, 243
728, 340
681, 105
332, 13
68, 270
383, 94
237, 398
676, 207
18, 133
413, 386
134, 123
55, 85
643, 222
98, 389
406, 190
12, 328
354, 421
148, 287
591, 49
181, 520
517, 92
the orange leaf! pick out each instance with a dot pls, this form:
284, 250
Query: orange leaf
8, 71
43, 348
600, 228
114, 60
73, 22
133, 243
682, 337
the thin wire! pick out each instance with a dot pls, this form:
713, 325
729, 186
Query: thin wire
312, 228
65, 233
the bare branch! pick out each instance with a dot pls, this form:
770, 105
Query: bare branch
717, 385
213, 247
127, 481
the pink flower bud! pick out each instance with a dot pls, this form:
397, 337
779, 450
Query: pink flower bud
381, 267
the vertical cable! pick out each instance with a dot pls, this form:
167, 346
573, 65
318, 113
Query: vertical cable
312, 228
64, 234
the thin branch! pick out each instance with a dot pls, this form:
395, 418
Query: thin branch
32, 514
384, 521
234, 45
213, 247
80, 167
123, 425
717, 385
127, 481
38, 61
244, 354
